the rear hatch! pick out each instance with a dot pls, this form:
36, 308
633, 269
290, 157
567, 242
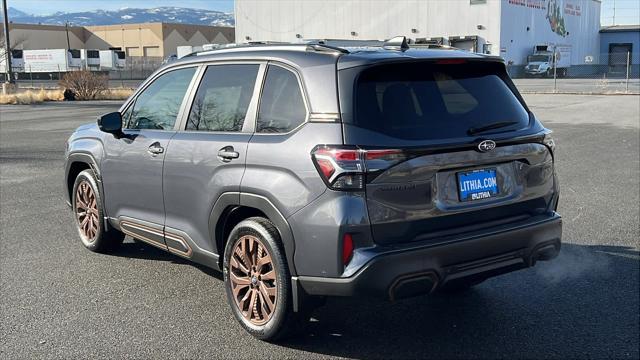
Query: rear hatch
449, 148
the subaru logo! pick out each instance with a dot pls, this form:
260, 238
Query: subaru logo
487, 145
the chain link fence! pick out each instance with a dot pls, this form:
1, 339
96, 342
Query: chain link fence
134, 71
136, 68
609, 73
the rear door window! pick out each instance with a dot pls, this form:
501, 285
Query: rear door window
223, 98
282, 106
426, 101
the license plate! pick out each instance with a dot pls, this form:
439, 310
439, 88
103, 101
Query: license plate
477, 184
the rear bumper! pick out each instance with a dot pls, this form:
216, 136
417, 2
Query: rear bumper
404, 272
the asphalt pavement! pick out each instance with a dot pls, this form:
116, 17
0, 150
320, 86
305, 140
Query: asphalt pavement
58, 300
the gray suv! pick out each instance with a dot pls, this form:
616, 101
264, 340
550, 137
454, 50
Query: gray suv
303, 171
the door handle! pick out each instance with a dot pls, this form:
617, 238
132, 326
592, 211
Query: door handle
155, 149
227, 154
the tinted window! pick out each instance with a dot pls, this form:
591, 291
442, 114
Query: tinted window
93, 54
421, 101
223, 98
75, 53
157, 106
281, 106
120, 55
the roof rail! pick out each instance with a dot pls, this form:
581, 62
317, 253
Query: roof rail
431, 46
342, 43
265, 45
400, 43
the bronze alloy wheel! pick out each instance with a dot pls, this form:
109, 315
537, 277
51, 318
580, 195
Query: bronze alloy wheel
253, 280
87, 211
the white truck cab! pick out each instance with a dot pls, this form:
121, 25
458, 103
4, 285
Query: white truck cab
542, 62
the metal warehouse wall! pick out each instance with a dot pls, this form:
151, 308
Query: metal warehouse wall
281, 20
621, 37
526, 23
33, 37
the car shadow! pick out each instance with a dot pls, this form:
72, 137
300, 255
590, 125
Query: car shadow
135, 249
582, 304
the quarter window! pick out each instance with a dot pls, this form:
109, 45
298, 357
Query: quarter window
158, 105
282, 106
223, 98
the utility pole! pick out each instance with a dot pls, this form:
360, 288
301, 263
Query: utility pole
7, 44
66, 28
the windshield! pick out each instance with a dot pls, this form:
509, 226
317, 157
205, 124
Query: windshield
426, 101
538, 58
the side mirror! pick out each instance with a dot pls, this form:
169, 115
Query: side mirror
111, 123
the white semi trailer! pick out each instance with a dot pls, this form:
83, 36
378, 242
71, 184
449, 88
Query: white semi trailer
52, 60
17, 61
90, 59
112, 59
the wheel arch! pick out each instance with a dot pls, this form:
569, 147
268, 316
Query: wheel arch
76, 163
231, 208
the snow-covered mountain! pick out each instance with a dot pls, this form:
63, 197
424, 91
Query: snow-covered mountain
127, 16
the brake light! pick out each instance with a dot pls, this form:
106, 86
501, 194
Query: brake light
344, 168
325, 167
347, 248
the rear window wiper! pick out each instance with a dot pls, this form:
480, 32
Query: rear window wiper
496, 125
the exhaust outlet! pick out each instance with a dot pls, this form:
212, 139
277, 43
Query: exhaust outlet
413, 285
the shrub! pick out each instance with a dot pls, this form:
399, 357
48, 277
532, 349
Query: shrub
85, 84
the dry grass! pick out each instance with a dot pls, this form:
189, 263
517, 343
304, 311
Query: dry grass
31, 97
115, 94
38, 96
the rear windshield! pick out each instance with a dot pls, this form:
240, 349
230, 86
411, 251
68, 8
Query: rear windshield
426, 101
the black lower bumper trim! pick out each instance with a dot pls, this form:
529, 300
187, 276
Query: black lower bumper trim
421, 270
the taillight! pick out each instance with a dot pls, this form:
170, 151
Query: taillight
344, 168
347, 248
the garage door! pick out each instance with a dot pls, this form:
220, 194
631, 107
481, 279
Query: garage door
618, 57
152, 51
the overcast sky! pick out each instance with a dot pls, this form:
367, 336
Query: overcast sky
627, 11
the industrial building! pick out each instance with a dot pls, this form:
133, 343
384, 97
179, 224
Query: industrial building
508, 28
622, 44
157, 40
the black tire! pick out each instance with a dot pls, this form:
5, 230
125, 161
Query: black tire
282, 321
103, 240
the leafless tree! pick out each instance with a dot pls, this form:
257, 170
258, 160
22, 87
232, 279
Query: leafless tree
85, 84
